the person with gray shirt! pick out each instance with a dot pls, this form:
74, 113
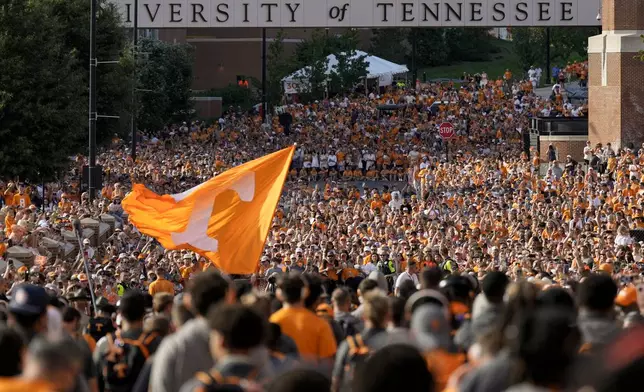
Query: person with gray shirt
187, 352
341, 299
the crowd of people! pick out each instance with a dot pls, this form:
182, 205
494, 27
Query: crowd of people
479, 269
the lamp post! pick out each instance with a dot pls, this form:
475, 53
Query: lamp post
264, 75
135, 41
93, 63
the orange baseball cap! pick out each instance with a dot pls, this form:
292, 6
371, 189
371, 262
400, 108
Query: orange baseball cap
22, 269
82, 277
626, 296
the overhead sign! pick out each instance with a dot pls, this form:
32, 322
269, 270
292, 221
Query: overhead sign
446, 130
359, 13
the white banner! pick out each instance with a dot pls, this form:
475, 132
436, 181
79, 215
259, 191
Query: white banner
292, 87
359, 13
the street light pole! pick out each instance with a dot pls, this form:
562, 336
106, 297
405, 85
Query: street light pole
135, 41
548, 54
414, 48
264, 75
93, 63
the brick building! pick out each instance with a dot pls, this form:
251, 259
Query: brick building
616, 77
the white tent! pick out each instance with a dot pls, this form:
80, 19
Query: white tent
376, 68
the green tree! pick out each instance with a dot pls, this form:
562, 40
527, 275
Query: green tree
566, 44
311, 49
279, 66
468, 44
312, 56
350, 70
43, 104
528, 44
113, 81
313, 80
392, 44
164, 78
641, 53
432, 48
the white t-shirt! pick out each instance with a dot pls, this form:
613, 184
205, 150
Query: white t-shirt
369, 268
406, 276
587, 155
623, 240
332, 160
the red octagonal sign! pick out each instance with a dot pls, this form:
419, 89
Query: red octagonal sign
446, 130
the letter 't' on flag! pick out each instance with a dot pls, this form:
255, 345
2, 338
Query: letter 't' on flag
225, 219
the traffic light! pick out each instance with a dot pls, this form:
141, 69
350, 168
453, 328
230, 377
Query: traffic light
242, 81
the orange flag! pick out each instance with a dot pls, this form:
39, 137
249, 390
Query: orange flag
225, 219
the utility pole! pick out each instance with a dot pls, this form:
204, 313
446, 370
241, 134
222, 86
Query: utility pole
264, 106
93, 63
548, 54
414, 72
135, 41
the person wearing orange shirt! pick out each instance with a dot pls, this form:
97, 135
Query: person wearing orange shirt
161, 285
9, 221
376, 203
21, 198
313, 335
65, 205
9, 194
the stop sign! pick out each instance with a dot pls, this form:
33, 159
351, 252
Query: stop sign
446, 130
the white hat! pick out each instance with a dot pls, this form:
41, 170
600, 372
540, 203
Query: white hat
299, 250
86, 241
367, 249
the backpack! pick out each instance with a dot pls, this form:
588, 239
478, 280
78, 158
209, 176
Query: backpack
359, 352
124, 360
214, 381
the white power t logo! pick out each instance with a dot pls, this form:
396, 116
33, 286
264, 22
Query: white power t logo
196, 233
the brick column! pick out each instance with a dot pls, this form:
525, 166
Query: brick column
615, 77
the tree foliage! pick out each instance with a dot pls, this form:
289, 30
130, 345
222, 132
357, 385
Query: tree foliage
350, 70
392, 44
164, 78
43, 104
528, 45
279, 66
113, 81
311, 55
566, 44
44, 71
433, 46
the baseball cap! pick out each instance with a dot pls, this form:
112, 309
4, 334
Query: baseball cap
29, 300
627, 296
104, 304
